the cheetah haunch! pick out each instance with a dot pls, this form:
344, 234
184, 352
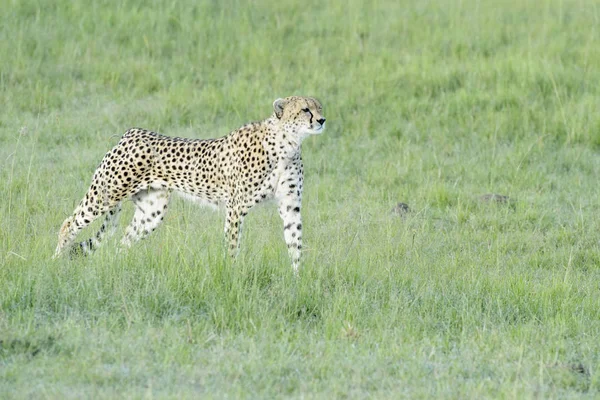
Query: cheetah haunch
256, 162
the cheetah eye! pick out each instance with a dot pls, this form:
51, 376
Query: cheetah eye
306, 110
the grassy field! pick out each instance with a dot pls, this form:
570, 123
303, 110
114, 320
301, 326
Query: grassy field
428, 103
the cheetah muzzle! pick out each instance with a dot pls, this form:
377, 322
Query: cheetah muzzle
259, 161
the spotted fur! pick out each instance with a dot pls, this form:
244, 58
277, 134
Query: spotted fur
254, 163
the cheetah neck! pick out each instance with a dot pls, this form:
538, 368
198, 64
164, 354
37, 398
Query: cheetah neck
286, 144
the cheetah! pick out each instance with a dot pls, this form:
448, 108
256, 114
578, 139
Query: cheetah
257, 162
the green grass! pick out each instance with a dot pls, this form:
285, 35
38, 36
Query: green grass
428, 103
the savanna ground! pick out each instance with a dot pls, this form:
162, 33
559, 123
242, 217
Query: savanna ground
429, 103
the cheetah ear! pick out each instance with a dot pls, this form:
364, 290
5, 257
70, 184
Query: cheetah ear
278, 107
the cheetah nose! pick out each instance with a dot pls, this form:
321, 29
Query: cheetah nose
321, 121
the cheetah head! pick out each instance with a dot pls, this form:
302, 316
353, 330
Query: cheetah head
300, 115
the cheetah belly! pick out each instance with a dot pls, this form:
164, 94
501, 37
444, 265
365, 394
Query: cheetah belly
191, 185
206, 194
199, 200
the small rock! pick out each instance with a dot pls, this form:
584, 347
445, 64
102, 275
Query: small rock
401, 209
494, 198
579, 368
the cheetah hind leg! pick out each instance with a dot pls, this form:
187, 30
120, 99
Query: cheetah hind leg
108, 229
150, 209
85, 213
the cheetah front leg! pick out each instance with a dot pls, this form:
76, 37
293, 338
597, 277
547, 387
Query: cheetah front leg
289, 210
233, 227
289, 197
